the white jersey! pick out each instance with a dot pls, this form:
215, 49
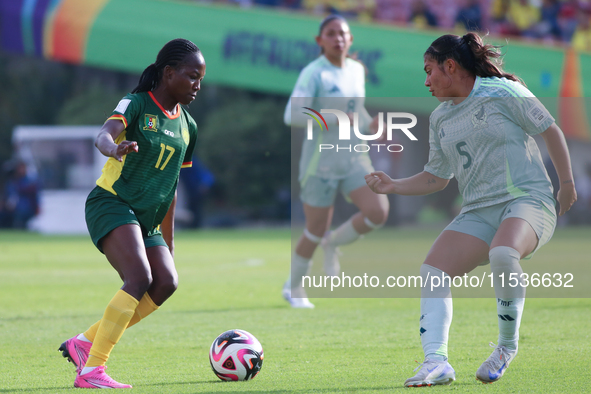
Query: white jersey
322, 85
485, 142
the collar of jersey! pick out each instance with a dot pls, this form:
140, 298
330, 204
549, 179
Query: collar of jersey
472, 94
165, 112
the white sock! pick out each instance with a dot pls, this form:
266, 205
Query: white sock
300, 266
510, 300
371, 224
86, 370
344, 234
81, 337
436, 312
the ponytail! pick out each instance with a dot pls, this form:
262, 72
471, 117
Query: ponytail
173, 53
148, 80
470, 52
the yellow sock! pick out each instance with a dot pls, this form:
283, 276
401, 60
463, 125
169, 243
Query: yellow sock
144, 308
114, 322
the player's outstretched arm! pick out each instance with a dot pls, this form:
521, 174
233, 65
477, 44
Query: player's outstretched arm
105, 140
416, 185
558, 151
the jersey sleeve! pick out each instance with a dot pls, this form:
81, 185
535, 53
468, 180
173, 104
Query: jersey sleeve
305, 89
438, 164
188, 160
532, 116
127, 109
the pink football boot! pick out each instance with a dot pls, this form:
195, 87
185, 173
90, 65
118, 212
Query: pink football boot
76, 351
98, 379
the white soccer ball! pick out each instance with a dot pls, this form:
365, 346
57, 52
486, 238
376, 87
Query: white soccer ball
236, 355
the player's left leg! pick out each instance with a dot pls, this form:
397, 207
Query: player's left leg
164, 275
514, 239
373, 214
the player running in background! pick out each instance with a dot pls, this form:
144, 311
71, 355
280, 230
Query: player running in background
481, 133
333, 79
130, 213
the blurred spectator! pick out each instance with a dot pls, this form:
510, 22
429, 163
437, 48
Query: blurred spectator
421, 16
365, 10
470, 15
499, 10
548, 26
567, 18
392, 11
21, 196
268, 3
293, 4
581, 40
522, 17
197, 180
361, 10
549, 20
319, 7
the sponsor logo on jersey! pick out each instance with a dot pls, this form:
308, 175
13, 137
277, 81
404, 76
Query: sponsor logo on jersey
186, 136
479, 119
168, 132
150, 122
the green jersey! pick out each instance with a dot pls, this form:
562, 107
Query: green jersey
147, 180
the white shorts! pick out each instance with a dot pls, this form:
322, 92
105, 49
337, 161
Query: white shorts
484, 222
321, 192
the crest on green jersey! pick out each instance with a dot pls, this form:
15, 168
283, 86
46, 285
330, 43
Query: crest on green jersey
186, 136
150, 122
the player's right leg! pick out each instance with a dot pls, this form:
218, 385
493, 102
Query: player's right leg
453, 254
125, 250
317, 221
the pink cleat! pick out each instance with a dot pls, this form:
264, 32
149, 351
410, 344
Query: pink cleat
76, 351
98, 379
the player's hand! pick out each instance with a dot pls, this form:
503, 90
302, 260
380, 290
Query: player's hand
124, 148
567, 195
380, 183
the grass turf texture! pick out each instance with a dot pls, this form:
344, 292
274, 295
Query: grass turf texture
52, 288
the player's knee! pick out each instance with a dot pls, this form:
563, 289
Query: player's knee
376, 217
139, 283
169, 285
503, 257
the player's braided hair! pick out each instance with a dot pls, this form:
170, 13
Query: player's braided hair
173, 53
470, 52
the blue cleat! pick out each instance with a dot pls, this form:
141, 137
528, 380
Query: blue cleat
496, 364
432, 373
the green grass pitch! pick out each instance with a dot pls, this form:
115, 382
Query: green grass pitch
52, 288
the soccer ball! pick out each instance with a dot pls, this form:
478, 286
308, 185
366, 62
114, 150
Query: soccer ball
236, 355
